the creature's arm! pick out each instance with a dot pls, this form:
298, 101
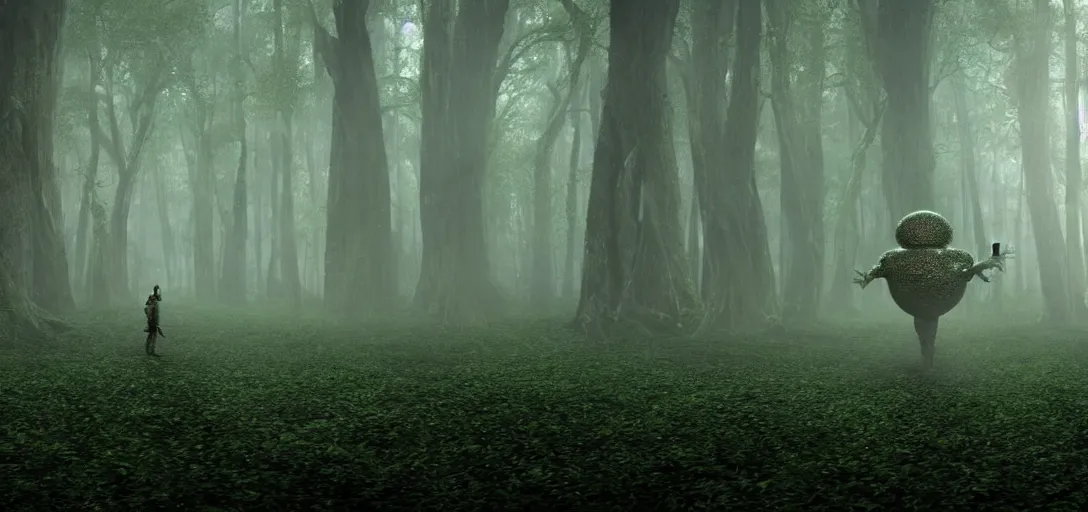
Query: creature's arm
995, 261
877, 272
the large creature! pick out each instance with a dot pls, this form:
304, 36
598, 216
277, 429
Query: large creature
926, 277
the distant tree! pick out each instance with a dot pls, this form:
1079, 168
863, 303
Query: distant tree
233, 282
1029, 75
797, 104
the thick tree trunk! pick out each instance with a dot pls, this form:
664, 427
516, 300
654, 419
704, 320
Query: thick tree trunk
707, 101
288, 241
359, 277
899, 37
29, 33
90, 178
1031, 91
801, 156
233, 288
455, 281
634, 255
738, 279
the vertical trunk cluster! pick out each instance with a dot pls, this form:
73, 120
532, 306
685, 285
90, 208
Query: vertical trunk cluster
90, 178
29, 32
1074, 181
542, 291
127, 160
199, 161
707, 101
359, 276
1031, 89
283, 154
233, 287
899, 37
797, 110
459, 57
634, 267
738, 280
969, 162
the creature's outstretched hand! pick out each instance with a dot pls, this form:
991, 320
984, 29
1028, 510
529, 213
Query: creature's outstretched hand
993, 262
862, 279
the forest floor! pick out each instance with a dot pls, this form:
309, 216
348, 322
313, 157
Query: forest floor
248, 412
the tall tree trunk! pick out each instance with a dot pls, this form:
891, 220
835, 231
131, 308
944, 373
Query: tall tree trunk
738, 278
29, 33
969, 161
90, 178
359, 277
455, 281
288, 241
577, 119
166, 231
542, 288
1031, 91
273, 279
898, 38
801, 155
1074, 253
634, 255
233, 289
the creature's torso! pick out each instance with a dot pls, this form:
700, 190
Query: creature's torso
927, 282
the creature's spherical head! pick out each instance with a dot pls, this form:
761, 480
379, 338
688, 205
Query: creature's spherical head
923, 229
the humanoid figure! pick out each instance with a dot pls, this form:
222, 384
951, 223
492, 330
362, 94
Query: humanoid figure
926, 278
151, 311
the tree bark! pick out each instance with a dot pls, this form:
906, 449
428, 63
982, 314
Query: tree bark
797, 122
738, 279
969, 161
577, 119
29, 41
457, 81
634, 268
288, 241
1074, 181
90, 177
127, 160
1030, 69
542, 289
359, 277
898, 38
233, 288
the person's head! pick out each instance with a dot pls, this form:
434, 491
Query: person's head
157, 293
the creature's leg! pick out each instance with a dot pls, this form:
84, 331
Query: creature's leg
150, 344
927, 337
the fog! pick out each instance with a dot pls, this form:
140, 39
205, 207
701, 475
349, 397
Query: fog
542, 254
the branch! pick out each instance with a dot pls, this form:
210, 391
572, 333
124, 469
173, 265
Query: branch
324, 43
118, 145
517, 49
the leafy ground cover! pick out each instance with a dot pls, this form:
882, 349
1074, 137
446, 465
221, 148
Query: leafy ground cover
245, 412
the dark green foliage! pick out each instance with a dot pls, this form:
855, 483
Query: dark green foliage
253, 414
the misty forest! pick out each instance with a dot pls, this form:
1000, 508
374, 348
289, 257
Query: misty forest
543, 255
